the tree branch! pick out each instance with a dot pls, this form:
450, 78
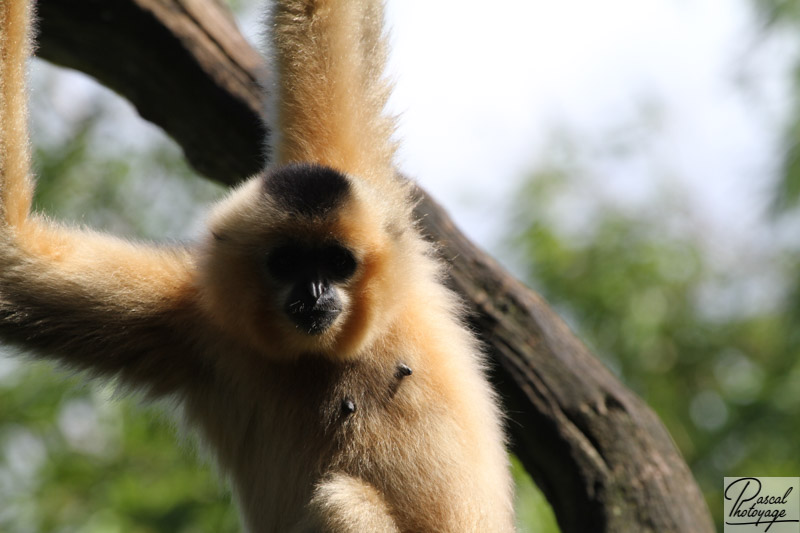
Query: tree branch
183, 64
601, 456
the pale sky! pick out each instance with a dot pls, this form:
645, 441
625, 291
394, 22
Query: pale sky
482, 91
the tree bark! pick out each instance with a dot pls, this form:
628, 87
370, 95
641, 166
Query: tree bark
601, 456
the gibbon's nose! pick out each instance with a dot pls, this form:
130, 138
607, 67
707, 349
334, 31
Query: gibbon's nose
316, 288
313, 306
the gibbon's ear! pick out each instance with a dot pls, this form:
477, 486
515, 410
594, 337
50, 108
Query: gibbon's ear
328, 98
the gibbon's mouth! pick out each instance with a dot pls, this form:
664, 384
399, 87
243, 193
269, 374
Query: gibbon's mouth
312, 320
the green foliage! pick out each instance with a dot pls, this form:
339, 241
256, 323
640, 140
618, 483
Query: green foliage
674, 325
779, 11
788, 193
784, 15
75, 461
534, 514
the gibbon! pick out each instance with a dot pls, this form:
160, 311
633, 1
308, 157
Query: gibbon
307, 337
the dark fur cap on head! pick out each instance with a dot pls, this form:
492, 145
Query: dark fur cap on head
307, 189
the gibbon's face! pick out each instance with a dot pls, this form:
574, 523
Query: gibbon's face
300, 261
307, 264
310, 277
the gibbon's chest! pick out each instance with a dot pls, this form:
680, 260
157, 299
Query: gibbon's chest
279, 430
338, 404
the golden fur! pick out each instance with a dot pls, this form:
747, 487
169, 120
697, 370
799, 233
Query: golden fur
409, 453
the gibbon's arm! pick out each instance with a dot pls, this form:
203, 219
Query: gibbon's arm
329, 93
89, 300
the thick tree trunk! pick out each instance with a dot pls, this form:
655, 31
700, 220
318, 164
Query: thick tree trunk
601, 456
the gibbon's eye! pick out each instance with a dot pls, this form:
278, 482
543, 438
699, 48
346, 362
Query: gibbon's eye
290, 263
339, 262
284, 262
